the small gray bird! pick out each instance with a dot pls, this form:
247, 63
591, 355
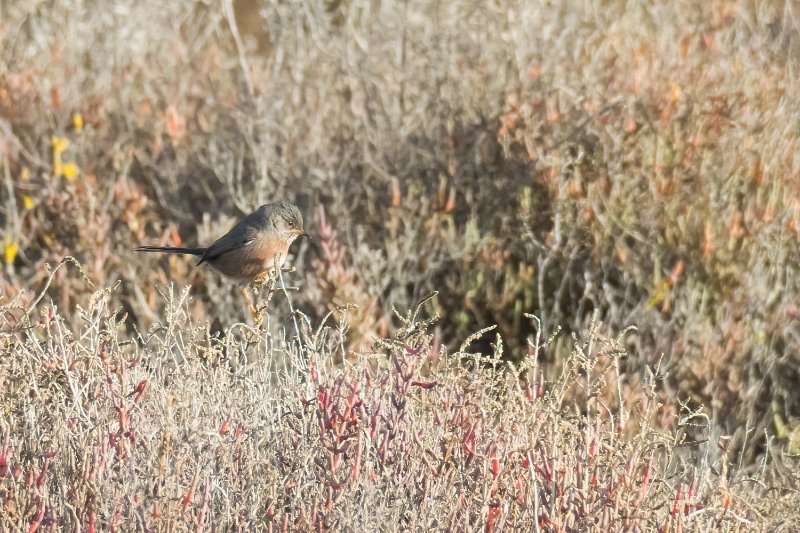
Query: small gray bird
253, 247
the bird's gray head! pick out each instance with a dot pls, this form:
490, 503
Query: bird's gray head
285, 219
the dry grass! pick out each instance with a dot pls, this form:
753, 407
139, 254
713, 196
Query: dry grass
637, 162
182, 429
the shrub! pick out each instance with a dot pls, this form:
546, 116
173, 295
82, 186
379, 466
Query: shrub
183, 429
562, 159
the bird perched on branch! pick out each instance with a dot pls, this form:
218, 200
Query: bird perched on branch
252, 249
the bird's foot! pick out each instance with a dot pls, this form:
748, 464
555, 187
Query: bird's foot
253, 310
264, 278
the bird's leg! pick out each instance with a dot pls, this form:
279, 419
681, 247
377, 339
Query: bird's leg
252, 307
258, 282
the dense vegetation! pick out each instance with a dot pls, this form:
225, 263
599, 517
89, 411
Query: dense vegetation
599, 165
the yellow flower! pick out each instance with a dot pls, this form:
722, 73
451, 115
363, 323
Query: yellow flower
659, 294
60, 144
77, 121
10, 252
28, 202
70, 170
25, 175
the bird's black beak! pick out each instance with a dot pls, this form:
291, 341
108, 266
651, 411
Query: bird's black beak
304, 234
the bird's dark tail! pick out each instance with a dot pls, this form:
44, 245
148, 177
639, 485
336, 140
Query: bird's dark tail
170, 250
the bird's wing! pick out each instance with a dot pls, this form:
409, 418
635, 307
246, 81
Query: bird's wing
242, 234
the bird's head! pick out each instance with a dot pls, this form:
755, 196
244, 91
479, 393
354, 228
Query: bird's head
285, 219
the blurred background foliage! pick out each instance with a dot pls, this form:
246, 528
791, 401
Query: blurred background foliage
640, 159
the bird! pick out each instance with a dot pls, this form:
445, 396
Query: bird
252, 249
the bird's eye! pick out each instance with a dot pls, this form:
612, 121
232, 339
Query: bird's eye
290, 224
